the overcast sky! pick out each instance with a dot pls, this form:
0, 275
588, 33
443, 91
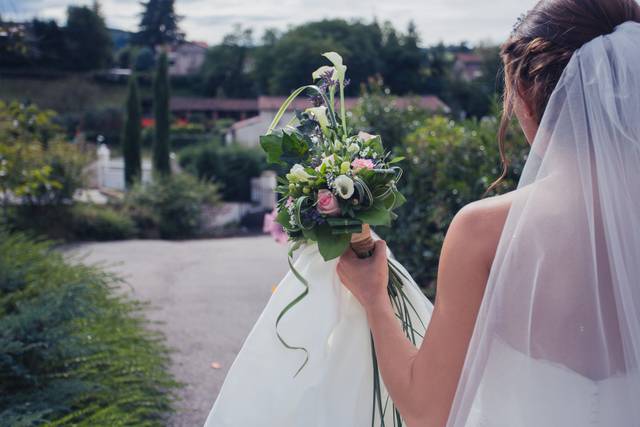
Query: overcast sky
450, 21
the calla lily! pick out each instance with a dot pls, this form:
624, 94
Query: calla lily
340, 68
322, 71
299, 174
320, 114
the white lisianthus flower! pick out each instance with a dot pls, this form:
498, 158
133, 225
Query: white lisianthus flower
344, 186
299, 173
353, 148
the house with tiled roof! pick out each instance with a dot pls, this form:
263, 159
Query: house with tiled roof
247, 132
468, 66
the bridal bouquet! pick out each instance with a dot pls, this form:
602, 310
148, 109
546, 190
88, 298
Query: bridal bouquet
338, 179
339, 182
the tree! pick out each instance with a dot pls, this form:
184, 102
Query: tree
226, 70
132, 134
159, 24
50, 43
161, 163
89, 44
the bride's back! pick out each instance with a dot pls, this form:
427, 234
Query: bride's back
561, 310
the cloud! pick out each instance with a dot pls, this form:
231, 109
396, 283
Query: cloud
450, 21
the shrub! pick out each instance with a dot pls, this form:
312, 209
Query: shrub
96, 222
36, 164
73, 351
183, 135
378, 114
171, 205
447, 166
231, 166
105, 122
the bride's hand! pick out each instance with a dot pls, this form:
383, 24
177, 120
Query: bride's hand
366, 278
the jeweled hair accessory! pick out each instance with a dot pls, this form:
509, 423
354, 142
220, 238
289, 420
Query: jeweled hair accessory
519, 23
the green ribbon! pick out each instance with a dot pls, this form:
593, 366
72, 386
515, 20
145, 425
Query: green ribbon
289, 307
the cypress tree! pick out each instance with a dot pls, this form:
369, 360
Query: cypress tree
161, 163
132, 135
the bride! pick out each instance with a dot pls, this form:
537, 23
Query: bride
537, 318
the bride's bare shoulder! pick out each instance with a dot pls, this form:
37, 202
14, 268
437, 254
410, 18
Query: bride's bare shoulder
478, 226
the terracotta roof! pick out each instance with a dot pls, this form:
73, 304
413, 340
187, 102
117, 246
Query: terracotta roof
212, 104
468, 57
273, 103
428, 102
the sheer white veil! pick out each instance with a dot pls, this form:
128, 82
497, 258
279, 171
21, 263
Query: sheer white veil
557, 339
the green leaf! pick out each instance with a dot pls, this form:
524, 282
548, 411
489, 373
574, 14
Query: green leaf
283, 219
396, 160
375, 215
375, 144
310, 234
400, 200
332, 246
272, 145
394, 200
294, 148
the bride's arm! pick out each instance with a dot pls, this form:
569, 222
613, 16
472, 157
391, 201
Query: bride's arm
422, 382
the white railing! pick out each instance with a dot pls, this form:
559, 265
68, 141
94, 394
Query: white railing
263, 191
110, 172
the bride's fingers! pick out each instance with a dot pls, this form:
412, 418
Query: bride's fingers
380, 250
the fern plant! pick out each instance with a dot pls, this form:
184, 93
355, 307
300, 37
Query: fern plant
73, 351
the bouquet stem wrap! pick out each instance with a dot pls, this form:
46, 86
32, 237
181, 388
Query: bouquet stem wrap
362, 243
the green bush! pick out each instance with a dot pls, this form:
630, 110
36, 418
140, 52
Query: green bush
378, 114
99, 222
183, 135
36, 164
72, 350
172, 205
447, 166
231, 166
105, 122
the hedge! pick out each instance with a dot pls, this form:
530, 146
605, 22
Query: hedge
73, 350
448, 165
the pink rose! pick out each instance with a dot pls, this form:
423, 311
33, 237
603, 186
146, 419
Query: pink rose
358, 164
275, 229
327, 203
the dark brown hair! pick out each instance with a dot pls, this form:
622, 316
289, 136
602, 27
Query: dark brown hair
541, 46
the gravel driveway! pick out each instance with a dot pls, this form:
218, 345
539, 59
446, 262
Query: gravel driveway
206, 293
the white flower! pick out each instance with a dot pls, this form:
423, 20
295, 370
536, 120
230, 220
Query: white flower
340, 68
337, 146
327, 162
320, 114
322, 71
299, 173
344, 186
353, 148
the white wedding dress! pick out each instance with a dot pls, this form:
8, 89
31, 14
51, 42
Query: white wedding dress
335, 387
557, 338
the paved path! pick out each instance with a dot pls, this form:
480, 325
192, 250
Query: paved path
207, 293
